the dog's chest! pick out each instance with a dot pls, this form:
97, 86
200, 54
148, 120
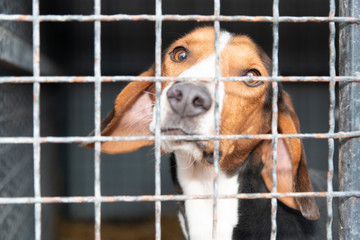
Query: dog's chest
197, 179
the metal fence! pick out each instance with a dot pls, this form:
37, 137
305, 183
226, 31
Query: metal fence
348, 19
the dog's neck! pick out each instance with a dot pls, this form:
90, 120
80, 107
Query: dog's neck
196, 178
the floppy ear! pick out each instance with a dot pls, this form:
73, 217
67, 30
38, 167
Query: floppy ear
131, 116
292, 171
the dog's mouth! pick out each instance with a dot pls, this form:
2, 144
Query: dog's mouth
182, 132
174, 131
201, 144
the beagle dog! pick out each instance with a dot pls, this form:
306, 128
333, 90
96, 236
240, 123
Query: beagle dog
188, 108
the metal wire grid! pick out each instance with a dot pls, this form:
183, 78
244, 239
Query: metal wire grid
97, 199
16, 174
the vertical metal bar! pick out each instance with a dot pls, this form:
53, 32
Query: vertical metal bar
349, 105
274, 123
97, 94
158, 41
217, 119
332, 53
36, 117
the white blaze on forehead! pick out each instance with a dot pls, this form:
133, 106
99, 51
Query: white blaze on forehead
206, 67
205, 122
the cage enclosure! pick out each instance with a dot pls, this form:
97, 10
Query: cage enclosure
62, 64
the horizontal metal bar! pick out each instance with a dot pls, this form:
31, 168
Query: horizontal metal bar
91, 79
174, 17
152, 198
91, 139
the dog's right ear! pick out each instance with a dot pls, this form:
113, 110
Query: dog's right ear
131, 116
292, 170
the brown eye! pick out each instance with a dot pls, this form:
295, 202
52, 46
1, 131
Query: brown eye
253, 73
179, 54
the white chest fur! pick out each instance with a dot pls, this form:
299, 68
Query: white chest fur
197, 179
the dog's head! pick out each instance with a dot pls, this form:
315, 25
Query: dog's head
188, 108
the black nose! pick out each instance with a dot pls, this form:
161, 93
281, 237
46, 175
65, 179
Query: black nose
189, 100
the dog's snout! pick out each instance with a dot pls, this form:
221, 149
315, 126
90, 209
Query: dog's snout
189, 100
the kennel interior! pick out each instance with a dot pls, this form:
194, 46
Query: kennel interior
66, 108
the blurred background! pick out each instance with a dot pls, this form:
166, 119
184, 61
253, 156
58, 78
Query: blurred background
67, 109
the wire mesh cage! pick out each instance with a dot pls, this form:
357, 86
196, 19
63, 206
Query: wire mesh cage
16, 163
23, 197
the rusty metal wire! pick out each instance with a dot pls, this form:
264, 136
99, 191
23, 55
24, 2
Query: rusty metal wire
175, 17
91, 79
97, 79
332, 71
36, 117
274, 120
90, 139
163, 198
97, 132
158, 41
217, 121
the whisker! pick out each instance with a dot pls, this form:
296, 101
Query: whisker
151, 93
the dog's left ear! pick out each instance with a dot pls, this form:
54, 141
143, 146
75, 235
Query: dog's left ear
131, 116
292, 171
